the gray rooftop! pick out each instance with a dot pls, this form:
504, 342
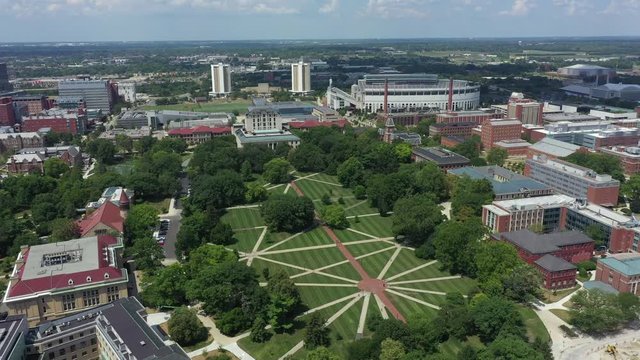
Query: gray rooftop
544, 243
440, 156
554, 147
65, 257
265, 137
11, 329
503, 180
554, 263
596, 284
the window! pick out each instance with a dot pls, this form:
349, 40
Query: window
72, 348
91, 298
68, 302
113, 293
62, 352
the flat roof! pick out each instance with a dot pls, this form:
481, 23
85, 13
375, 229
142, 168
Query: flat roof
535, 202
571, 169
555, 147
604, 215
629, 266
11, 328
502, 180
440, 155
596, 284
545, 243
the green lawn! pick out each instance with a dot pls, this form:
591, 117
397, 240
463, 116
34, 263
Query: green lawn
288, 252
243, 218
535, 327
124, 167
239, 105
564, 315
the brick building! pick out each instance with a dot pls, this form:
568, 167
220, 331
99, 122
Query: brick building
506, 184
25, 164
629, 157
59, 279
621, 271
7, 114
552, 254
589, 134
58, 121
452, 129
498, 130
573, 180
16, 141
514, 147
35, 104
525, 110
199, 134
445, 159
476, 117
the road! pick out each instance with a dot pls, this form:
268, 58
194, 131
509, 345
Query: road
175, 216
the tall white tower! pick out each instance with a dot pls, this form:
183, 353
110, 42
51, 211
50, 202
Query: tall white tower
301, 77
220, 80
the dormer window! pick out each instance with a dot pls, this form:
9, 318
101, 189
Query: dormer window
88, 279
70, 282
106, 275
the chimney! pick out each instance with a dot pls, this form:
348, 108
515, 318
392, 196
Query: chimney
450, 104
386, 97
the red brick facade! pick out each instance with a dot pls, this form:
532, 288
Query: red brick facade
57, 124
498, 130
621, 282
477, 118
7, 116
557, 279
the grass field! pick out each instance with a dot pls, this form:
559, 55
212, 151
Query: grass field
239, 105
535, 327
327, 282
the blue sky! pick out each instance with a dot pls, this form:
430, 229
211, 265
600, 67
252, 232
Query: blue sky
132, 20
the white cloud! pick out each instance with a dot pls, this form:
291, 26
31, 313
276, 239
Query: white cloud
617, 7
519, 8
77, 7
398, 8
464, 5
573, 7
328, 7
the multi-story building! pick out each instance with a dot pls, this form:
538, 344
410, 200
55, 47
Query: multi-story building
553, 149
58, 121
445, 159
629, 157
582, 71
261, 118
5, 85
506, 184
135, 120
13, 333
127, 91
567, 117
7, 113
476, 117
514, 147
17, 141
25, 164
71, 102
220, 80
117, 330
324, 113
621, 271
199, 134
452, 129
405, 118
525, 110
97, 94
116, 195
493, 131
590, 134
411, 92
53, 280
560, 212
107, 219
553, 254
35, 104
300, 77
573, 180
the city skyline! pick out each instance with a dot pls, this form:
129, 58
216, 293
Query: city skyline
147, 20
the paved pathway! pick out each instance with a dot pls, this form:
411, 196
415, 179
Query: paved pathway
375, 286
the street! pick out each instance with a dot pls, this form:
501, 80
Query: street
175, 216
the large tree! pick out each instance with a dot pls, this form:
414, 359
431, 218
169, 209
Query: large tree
185, 328
497, 156
494, 261
596, 312
469, 195
493, 314
276, 171
316, 333
147, 253
217, 192
430, 179
285, 300
140, 222
351, 173
391, 350
165, 288
307, 157
334, 216
456, 244
416, 217
288, 213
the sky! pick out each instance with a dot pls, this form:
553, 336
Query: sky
141, 20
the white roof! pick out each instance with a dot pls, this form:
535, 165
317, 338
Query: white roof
535, 202
586, 67
82, 254
4, 136
619, 87
25, 157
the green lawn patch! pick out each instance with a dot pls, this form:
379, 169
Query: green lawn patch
535, 327
411, 308
309, 259
260, 264
360, 207
315, 237
314, 190
563, 314
374, 264
277, 346
345, 270
347, 236
362, 249
374, 225
243, 218
246, 239
462, 285
317, 296
161, 205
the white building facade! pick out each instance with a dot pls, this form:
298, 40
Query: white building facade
406, 91
220, 80
300, 77
127, 90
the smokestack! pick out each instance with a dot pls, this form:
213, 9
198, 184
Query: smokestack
386, 96
450, 94
597, 79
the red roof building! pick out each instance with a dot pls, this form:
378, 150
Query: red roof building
57, 279
199, 134
309, 124
106, 218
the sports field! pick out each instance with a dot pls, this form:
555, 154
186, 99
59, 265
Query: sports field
329, 281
